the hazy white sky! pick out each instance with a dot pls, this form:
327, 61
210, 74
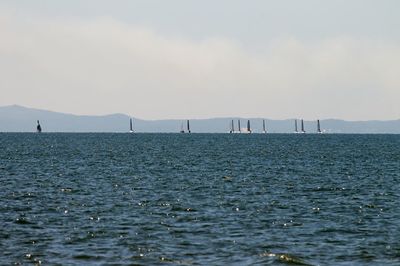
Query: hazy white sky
210, 58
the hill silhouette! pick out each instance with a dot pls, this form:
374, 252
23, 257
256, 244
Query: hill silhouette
17, 118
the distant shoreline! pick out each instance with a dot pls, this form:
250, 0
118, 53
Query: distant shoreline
21, 119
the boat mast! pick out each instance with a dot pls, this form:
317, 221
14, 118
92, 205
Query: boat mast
295, 126
264, 131
318, 127
248, 126
240, 130
182, 130
130, 125
232, 127
188, 127
302, 126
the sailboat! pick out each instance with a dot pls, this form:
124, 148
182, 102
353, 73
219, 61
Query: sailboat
188, 126
319, 127
239, 129
38, 128
232, 130
302, 127
264, 129
295, 126
248, 126
130, 126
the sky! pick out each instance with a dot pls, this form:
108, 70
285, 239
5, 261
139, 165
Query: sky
157, 59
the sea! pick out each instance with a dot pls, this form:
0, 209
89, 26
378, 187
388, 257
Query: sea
199, 199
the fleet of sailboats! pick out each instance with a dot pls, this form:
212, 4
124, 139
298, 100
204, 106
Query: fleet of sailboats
240, 130
248, 129
319, 131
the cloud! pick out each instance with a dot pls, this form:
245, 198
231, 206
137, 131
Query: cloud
101, 65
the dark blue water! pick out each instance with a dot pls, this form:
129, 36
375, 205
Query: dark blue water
199, 199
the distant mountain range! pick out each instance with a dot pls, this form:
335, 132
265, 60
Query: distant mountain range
16, 118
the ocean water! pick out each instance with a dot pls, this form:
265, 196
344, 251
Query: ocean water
199, 199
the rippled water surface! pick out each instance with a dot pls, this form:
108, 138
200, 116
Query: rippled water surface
199, 199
